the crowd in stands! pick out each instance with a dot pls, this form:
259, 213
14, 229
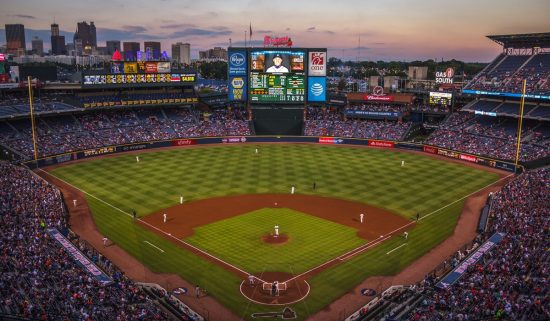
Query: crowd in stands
39, 280
507, 73
379, 107
490, 137
56, 135
329, 122
510, 282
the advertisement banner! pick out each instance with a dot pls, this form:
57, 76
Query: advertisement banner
317, 63
367, 113
237, 88
445, 77
381, 143
377, 98
184, 142
150, 67
236, 62
317, 89
117, 67
163, 67
330, 140
99, 151
455, 274
468, 158
431, 150
79, 258
230, 140
130, 67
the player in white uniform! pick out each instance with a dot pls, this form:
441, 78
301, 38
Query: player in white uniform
137, 159
292, 190
361, 216
164, 217
402, 163
277, 67
276, 230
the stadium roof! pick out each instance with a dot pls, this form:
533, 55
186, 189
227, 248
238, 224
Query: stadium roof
527, 40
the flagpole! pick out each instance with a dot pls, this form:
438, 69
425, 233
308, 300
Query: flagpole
520, 121
245, 39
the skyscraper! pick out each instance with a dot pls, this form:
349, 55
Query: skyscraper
181, 53
37, 46
15, 38
130, 50
152, 50
112, 46
57, 41
87, 33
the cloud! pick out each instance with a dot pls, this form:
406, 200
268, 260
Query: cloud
177, 26
253, 43
199, 32
310, 29
262, 31
22, 16
330, 32
287, 29
134, 29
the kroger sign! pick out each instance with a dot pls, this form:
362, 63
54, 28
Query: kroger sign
237, 63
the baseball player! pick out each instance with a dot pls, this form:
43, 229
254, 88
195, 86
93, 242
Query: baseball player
137, 159
74, 203
406, 235
251, 280
164, 217
292, 189
105, 239
402, 163
256, 151
361, 216
276, 230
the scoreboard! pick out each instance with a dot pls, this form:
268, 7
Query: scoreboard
266, 87
440, 98
277, 75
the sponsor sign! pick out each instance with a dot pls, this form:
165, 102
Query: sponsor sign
80, 258
317, 63
429, 149
373, 114
468, 158
237, 88
130, 68
184, 142
99, 151
330, 140
445, 77
454, 275
132, 147
317, 89
447, 153
485, 113
377, 98
163, 67
230, 140
117, 67
2, 57
151, 67
381, 143
504, 94
237, 63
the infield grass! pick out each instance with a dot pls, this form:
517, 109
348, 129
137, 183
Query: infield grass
372, 176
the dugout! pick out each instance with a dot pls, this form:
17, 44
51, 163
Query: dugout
286, 120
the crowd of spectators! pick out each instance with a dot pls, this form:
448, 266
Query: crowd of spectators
490, 137
60, 134
39, 280
379, 107
330, 122
510, 282
508, 75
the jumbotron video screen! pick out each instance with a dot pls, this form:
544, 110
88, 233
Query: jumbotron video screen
277, 76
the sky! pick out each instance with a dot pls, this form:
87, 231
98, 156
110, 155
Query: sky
403, 30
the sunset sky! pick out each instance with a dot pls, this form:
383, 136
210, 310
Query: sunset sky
388, 29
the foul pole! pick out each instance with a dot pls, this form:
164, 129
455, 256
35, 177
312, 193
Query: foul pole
520, 121
32, 123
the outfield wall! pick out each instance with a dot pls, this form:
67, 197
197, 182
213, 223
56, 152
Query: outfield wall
88, 153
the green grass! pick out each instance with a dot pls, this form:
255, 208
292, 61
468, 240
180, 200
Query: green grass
312, 240
366, 175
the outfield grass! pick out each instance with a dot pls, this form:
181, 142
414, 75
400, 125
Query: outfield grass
312, 240
371, 176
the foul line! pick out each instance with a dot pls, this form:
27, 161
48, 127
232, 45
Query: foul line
460, 199
154, 227
153, 245
342, 257
397, 248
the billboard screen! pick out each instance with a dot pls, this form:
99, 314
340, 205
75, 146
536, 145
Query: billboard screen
439, 98
277, 76
236, 62
317, 63
133, 80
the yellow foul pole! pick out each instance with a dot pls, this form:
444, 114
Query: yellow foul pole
520, 121
32, 121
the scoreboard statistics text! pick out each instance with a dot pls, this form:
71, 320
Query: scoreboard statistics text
439, 98
277, 76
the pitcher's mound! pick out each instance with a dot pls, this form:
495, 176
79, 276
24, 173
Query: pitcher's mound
272, 239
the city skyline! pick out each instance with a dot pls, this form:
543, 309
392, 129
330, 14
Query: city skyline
364, 30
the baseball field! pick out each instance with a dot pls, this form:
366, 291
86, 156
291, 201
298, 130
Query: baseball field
233, 198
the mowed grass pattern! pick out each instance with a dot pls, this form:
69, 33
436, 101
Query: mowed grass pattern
312, 240
367, 175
